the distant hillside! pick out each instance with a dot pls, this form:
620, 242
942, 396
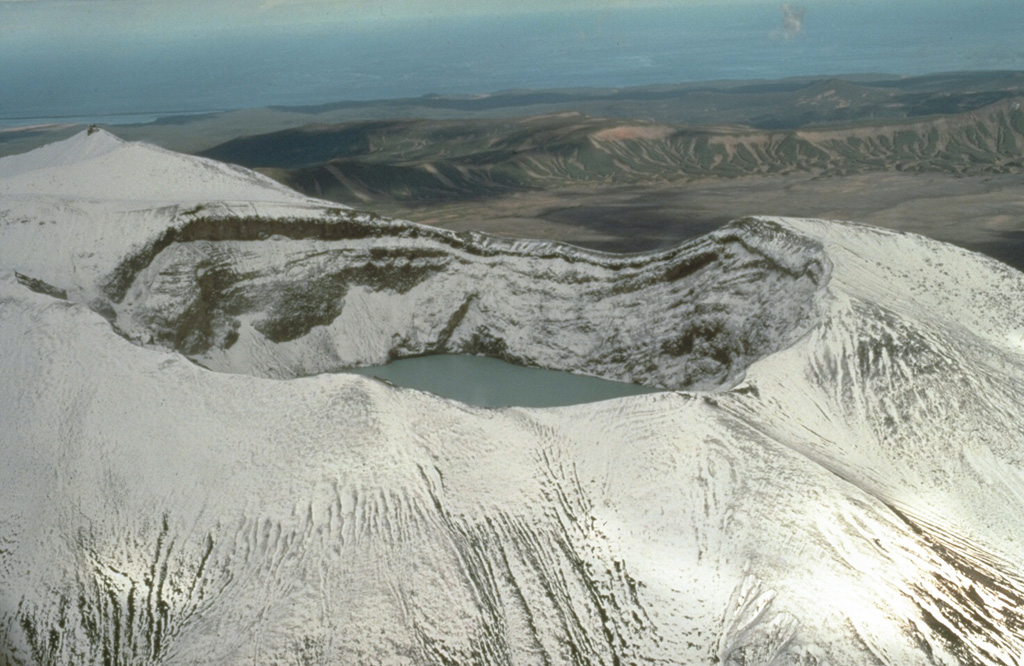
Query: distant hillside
785, 104
782, 104
423, 161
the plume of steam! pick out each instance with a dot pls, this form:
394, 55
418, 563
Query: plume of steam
792, 21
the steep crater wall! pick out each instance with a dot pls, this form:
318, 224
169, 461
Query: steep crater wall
291, 298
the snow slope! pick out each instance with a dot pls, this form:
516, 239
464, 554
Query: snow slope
70, 210
98, 165
835, 476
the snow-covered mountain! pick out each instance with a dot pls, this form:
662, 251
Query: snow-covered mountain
833, 475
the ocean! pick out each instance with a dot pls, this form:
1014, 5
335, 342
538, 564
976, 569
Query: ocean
137, 82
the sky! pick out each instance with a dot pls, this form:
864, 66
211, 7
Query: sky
85, 24
61, 58
197, 14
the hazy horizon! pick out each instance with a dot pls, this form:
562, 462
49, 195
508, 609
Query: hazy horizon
109, 65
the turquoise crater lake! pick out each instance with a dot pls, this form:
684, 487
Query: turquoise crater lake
489, 382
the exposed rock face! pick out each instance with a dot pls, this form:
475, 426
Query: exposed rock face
846, 489
336, 295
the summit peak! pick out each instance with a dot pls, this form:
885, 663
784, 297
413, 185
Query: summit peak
97, 164
82, 147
